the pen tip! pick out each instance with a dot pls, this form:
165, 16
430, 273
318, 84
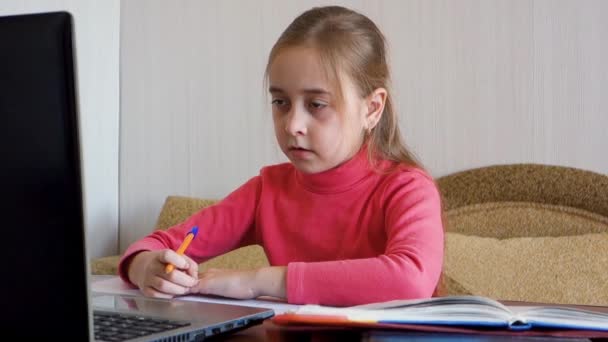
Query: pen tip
194, 230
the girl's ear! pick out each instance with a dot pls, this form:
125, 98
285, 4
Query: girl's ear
375, 106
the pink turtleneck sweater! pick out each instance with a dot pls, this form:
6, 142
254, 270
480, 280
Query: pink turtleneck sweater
348, 236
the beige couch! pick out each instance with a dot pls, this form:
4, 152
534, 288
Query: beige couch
517, 232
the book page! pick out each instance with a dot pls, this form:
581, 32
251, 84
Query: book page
468, 310
564, 317
438, 302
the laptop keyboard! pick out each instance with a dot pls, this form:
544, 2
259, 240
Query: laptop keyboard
111, 326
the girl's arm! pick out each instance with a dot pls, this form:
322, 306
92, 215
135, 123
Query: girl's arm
409, 268
222, 227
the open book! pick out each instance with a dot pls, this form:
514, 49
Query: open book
460, 311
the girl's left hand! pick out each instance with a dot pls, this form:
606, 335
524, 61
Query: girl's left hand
227, 283
265, 281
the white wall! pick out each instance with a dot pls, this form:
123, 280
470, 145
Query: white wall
477, 83
96, 26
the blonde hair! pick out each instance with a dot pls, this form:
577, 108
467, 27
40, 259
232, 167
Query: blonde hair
350, 42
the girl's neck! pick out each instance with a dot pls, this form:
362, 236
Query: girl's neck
339, 178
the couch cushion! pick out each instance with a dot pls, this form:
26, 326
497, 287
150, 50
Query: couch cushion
532, 183
177, 209
249, 257
564, 269
523, 219
105, 265
244, 258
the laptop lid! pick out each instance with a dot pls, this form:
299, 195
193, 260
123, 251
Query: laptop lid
44, 281
42, 211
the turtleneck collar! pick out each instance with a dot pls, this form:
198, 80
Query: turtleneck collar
339, 178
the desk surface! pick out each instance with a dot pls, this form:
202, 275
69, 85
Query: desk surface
269, 331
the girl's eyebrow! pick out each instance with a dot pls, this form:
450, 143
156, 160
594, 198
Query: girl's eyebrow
320, 91
274, 89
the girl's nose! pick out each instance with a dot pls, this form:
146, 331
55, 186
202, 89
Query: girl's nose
296, 122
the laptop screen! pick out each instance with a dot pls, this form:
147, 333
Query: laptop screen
44, 272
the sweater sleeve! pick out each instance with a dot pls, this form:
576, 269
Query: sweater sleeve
227, 225
409, 268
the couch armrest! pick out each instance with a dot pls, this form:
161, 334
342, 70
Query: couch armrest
106, 265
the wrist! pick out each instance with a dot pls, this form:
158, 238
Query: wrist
270, 281
132, 267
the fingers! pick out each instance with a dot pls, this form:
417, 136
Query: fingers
192, 269
168, 256
159, 287
180, 278
171, 286
182, 262
159, 284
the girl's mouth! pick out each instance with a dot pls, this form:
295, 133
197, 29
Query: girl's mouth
300, 152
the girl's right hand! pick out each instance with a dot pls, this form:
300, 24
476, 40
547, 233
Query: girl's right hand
147, 271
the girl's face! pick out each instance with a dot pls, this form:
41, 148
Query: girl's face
311, 131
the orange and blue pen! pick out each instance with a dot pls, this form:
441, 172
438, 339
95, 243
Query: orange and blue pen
187, 240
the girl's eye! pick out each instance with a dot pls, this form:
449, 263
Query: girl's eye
318, 105
278, 102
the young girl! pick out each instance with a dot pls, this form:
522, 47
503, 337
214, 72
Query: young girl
352, 219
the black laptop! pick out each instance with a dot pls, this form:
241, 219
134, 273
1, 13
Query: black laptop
44, 262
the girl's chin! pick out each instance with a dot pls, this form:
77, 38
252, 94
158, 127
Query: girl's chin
308, 167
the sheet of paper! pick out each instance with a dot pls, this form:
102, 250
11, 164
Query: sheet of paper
115, 285
516, 309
